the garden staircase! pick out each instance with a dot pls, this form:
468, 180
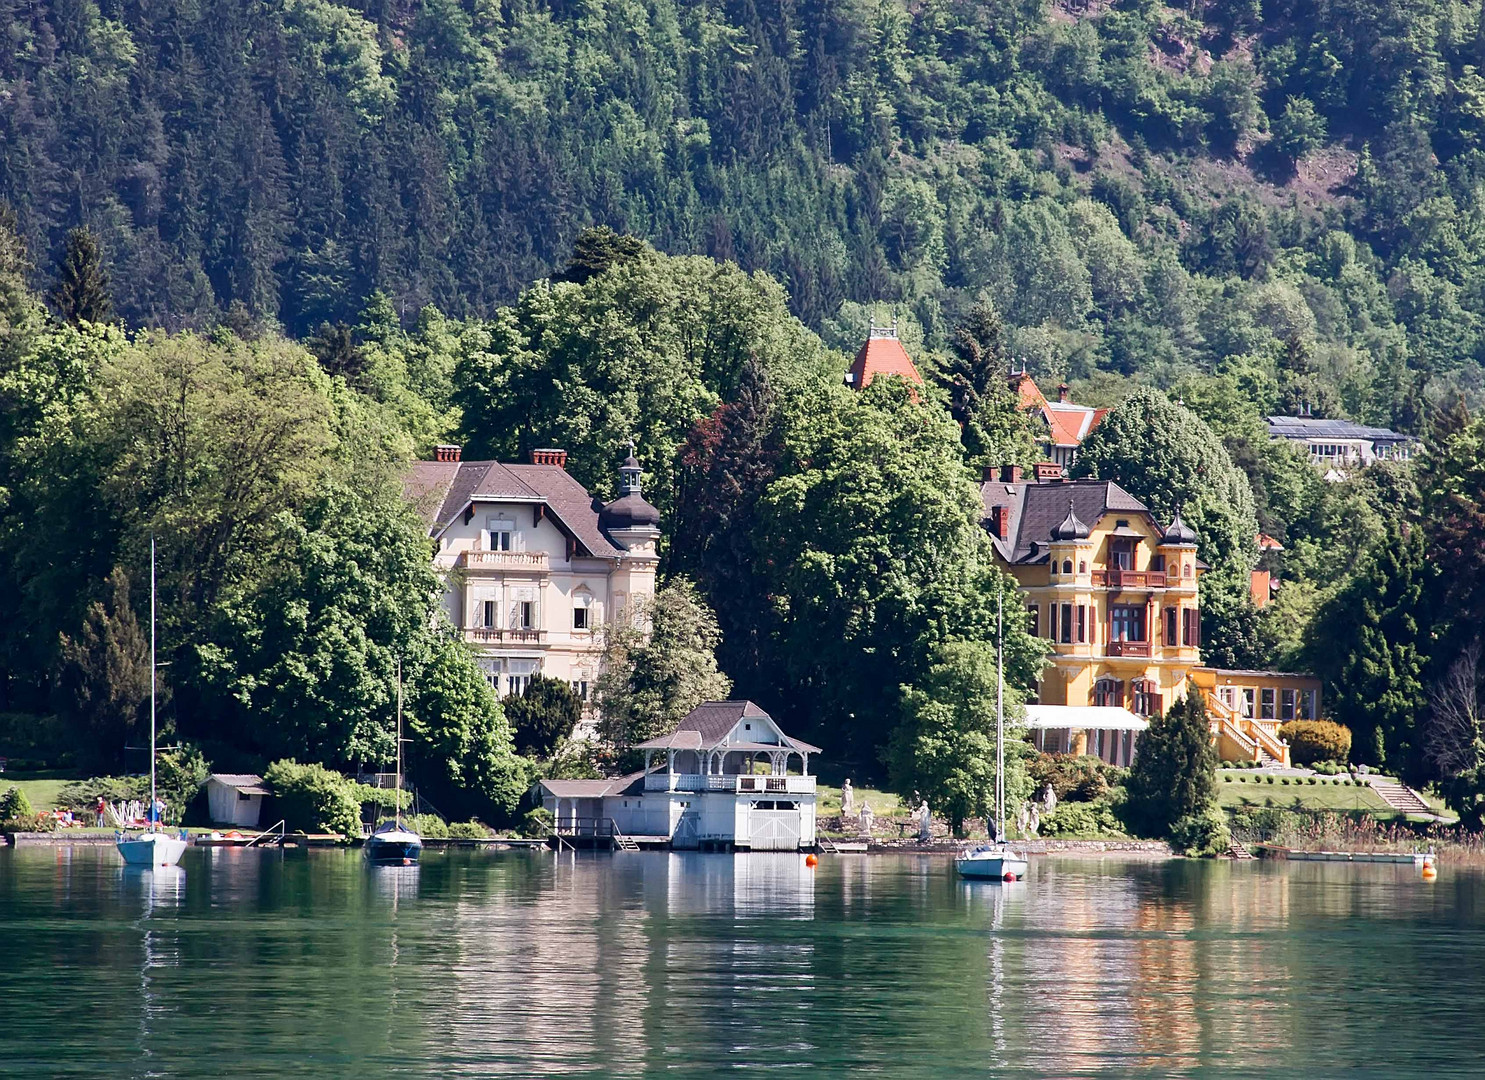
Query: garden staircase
1238, 851
1399, 796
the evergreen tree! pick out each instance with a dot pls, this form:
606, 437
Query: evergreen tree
542, 715
81, 291
104, 676
1371, 645
727, 462
595, 250
1174, 776
1452, 479
992, 426
19, 312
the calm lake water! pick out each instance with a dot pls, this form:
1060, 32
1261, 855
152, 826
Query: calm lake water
309, 964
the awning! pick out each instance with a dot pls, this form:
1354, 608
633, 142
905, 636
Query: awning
1083, 718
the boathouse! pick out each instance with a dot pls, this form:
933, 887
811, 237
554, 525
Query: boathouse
727, 778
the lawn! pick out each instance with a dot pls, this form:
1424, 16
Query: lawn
1237, 792
41, 788
884, 804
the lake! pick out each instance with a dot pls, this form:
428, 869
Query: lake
308, 964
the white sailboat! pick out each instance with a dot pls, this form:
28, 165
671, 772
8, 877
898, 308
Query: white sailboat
154, 847
996, 861
391, 843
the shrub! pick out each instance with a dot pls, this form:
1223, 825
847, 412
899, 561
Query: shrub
1316, 740
180, 774
14, 804
313, 798
428, 826
543, 715
537, 823
1081, 820
1078, 778
1327, 768
468, 830
1270, 779
84, 794
1203, 835
30, 823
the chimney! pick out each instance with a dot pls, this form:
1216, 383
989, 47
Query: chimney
1010, 474
1048, 472
447, 452
1062, 389
549, 457
1000, 521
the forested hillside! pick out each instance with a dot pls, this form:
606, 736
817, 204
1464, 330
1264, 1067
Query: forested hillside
1138, 187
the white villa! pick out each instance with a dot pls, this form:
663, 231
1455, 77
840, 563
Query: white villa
533, 564
702, 788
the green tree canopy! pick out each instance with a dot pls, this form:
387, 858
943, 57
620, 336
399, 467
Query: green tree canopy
543, 715
81, 291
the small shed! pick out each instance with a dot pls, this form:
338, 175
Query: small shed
235, 798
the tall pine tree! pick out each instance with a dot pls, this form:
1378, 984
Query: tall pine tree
992, 426
81, 292
1371, 647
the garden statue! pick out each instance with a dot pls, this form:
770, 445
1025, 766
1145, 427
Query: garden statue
925, 823
847, 800
866, 818
1034, 822
1049, 798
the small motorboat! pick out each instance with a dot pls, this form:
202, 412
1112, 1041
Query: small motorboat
991, 862
393, 844
152, 849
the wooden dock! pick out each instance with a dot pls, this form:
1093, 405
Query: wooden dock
1396, 858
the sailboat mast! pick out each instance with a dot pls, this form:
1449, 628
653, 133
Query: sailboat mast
152, 676
397, 801
1000, 713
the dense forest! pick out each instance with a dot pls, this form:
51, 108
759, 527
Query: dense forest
255, 256
1140, 188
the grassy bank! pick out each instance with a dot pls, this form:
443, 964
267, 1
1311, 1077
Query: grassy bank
41, 789
1248, 791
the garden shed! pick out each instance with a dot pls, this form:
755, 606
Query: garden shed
235, 798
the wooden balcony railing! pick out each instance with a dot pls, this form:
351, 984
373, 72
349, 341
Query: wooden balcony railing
503, 560
1130, 579
1129, 648
494, 635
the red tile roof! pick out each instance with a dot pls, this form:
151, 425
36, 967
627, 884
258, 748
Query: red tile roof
882, 356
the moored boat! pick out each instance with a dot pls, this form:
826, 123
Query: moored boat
393, 844
991, 862
152, 847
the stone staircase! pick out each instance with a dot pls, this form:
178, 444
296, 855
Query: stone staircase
1399, 796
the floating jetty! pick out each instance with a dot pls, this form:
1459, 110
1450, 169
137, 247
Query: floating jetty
1404, 858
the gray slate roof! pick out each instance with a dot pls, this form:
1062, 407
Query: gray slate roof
633, 784
440, 490
247, 783
1309, 427
708, 724
1036, 509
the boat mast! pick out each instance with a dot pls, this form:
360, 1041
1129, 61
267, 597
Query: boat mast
1000, 713
152, 679
397, 797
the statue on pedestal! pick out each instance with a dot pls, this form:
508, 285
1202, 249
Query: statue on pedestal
847, 800
866, 818
925, 823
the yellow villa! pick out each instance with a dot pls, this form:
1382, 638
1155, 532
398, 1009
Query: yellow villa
1118, 596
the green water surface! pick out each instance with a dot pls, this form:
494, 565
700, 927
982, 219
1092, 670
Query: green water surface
309, 964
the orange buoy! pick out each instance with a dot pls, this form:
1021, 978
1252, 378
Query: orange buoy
1429, 873
811, 860
1009, 877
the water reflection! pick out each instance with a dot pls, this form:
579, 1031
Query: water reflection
688, 964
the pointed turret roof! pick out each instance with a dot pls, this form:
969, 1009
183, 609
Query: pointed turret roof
1071, 528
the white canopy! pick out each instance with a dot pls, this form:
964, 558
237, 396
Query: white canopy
1084, 718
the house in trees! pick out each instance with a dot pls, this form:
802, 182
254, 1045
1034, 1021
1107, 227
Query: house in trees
533, 564
1339, 446
727, 778
1117, 594
1067, 424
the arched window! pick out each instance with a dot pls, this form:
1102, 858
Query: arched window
1186, 570
1067, 566
1107, 691
1082, 566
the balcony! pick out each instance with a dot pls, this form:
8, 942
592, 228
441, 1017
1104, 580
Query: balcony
488, 635
1129, 648
762, 784
532, 562
1130, 579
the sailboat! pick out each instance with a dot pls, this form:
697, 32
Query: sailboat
153, 847
996, 861
391, 844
